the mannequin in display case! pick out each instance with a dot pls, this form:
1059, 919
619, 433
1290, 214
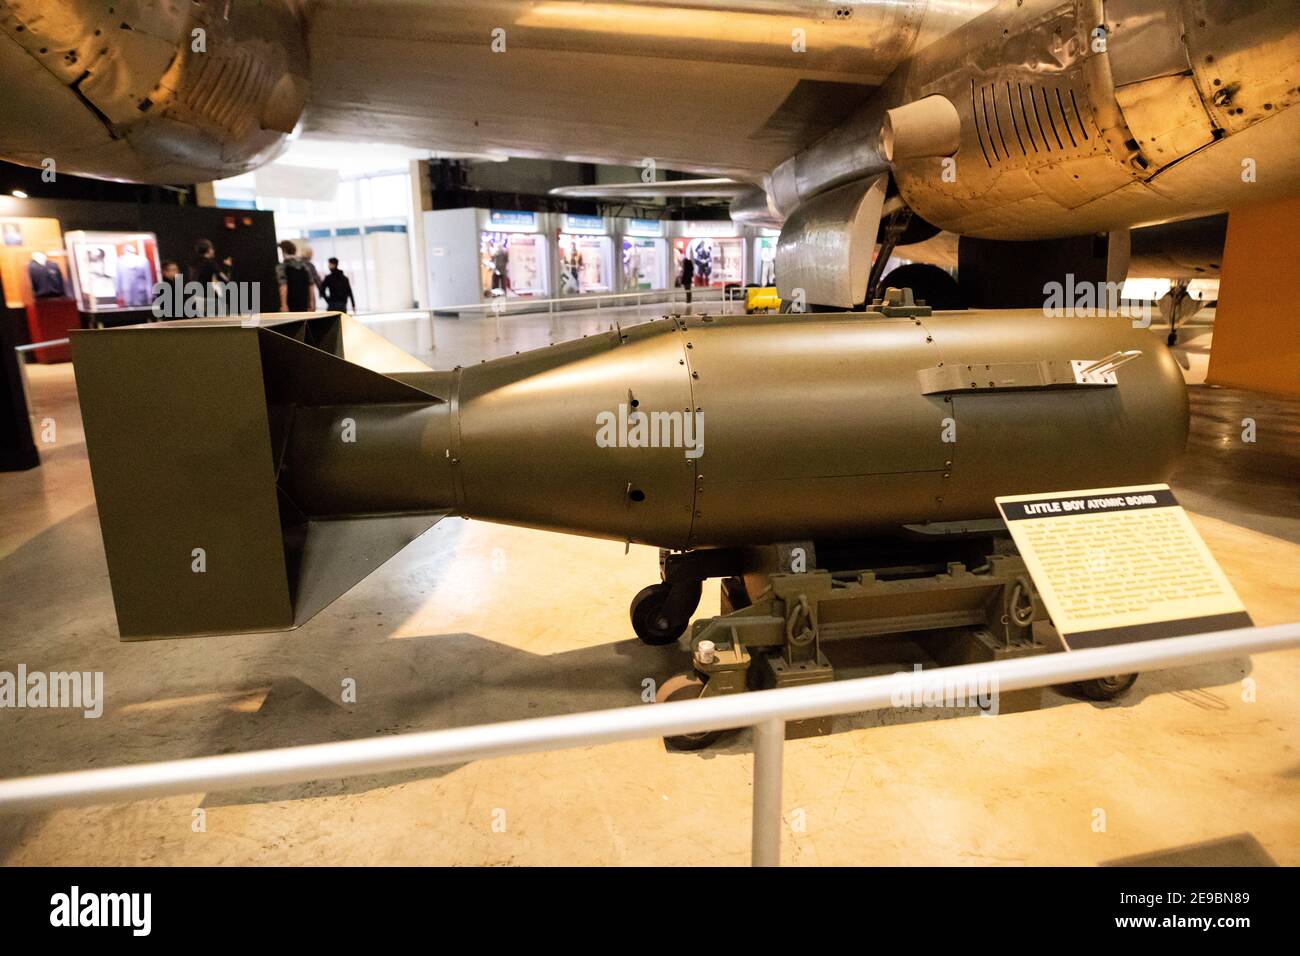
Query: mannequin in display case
51, 312
134, 280
46, 277
501, 269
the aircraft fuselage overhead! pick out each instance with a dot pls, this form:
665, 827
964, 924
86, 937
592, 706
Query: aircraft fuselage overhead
863, 370
1021, 119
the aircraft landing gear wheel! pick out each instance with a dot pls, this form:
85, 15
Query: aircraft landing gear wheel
1107, 688
685, 687
660, 616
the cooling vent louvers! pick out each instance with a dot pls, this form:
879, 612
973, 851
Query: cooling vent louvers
1018, 119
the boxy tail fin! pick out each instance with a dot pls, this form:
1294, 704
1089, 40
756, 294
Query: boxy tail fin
186, 425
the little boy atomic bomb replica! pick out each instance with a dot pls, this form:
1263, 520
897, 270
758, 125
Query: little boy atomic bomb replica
836, 471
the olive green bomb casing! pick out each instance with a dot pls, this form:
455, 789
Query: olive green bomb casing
298, 472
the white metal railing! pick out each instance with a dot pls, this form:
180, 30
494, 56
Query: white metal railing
523, 305
766, 711
580, 300
37, 346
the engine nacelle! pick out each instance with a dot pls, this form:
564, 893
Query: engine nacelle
1078, 118
163, 91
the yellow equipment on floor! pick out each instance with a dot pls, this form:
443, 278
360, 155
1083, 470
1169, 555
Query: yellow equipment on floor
762, 300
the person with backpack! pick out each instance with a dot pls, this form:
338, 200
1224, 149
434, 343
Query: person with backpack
297, 290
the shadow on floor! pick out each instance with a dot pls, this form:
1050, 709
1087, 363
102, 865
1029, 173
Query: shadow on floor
1241, 849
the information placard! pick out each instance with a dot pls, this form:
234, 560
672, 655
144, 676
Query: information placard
1117, 565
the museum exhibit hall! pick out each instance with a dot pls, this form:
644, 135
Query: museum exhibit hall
648, 433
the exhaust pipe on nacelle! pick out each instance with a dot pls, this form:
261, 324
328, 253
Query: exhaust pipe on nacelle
928, 127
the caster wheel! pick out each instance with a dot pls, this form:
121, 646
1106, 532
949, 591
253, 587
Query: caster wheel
1107, 688
654, 621
685, 687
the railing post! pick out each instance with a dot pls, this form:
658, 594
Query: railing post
769, 748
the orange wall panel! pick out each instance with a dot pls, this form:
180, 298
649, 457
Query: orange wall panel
19, 238
1257, 326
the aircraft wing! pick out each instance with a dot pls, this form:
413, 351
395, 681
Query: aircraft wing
188, 92
699, 85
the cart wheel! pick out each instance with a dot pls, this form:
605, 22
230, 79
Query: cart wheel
651, 618
1106, 688
685, 687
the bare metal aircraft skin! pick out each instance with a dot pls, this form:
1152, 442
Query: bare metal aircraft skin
1019, 119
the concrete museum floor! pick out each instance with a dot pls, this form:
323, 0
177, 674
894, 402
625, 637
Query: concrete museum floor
479, 623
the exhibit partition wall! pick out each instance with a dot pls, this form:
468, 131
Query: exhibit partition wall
513, 259
385, 271
376, 259
474, 256
764, 265
136, 237
717, 251
586, 256
512, 264
452, 261
28, 241
645, 256
34, 273
113, 271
